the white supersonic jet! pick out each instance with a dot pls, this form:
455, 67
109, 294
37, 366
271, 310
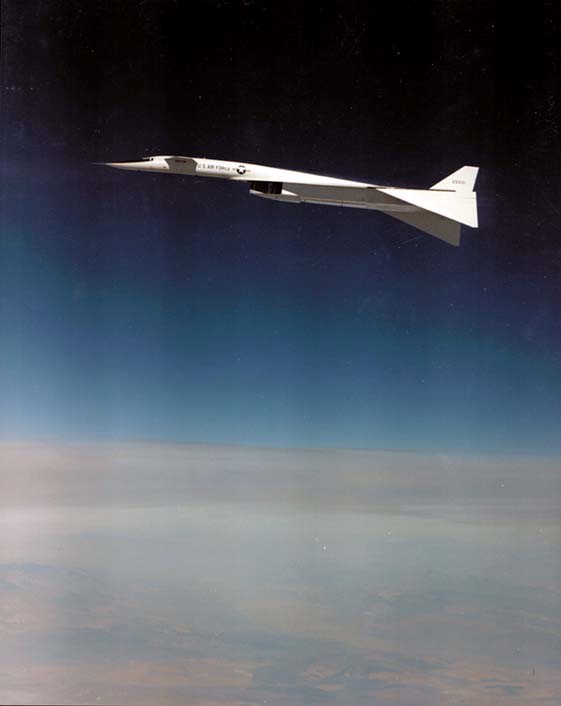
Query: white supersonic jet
438, 211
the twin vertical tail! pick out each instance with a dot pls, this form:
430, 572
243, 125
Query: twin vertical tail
442, 209
461, 181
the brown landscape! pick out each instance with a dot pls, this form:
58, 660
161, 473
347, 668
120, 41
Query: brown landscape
150, 573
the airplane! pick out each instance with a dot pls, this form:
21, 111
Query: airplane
439, 210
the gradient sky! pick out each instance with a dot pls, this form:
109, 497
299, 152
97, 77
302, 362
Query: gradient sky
169, 308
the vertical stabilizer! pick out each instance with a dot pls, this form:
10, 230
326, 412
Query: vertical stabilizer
461, 180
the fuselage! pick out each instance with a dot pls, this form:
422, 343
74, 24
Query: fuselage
438, 210
273, 183
234, 171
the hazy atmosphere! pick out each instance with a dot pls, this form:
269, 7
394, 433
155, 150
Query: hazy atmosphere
172, 574
267, 453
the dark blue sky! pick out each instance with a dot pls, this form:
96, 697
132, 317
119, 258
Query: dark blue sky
161, 307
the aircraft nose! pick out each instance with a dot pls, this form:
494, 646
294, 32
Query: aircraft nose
125, 165
147, 164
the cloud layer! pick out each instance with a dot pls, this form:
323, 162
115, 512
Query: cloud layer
144, 573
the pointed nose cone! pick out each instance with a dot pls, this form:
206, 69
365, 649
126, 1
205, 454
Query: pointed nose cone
146, 164
126, 165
